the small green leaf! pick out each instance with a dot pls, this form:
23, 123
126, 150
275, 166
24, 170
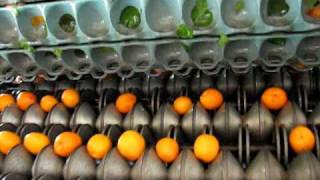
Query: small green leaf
16, 9
24, 44
223, 40
57, 52
201, 15
130, 17
184, 32
310, 3
278, 41
239, 6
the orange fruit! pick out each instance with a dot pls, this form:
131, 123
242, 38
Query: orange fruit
167, 149
98, 146
48, 102
206, 148
70, 98
274, 98
25, 100
8, 140
34, 142
211, 99
37, 21
131, 145
301, 139
65, 143
126, 102
314, 12
5, 101
182, 105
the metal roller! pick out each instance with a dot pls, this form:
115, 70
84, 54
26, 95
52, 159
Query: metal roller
11, 115
18, 161
195, 122
304, 166
176, 85
225, 167
113, 166
47, 163
265, 166
79, 165
137, 117
108, 116
164, 119
290, 116
259, 121
149, 166
186, 166
58, 115
315, 116
226, 122
83, 115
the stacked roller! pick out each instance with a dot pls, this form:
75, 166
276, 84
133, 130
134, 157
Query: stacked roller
254, 140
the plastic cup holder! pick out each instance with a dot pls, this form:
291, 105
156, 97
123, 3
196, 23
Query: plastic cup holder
174, 63
126, 72
112, 66
206, 61
310, 58
31, 69
275, 59
7, 71
79, 53
57, 68
84, 67
142, 65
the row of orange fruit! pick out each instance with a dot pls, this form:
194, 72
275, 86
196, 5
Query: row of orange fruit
131, 144
70, 98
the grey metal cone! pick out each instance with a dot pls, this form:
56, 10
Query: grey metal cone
18, 161
83, 114
194, 122
58, 115
315, 116
253, 83
226, 122
304, 166
12, 115
34, 115
138, 116
47, 163
164, 119
175, 85
200, 82
265, 166
186, 166
225, 167
79, 164
227, 83
108, 116
149, 166
113, 167
290, 116
259, 121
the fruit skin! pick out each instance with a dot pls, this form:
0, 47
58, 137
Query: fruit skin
65, 143
5, 101
211, 99
182, 105
70, 98
34, 142
206, 148
131, 145
98, 146
314, 12
126, 102
8, 140
274, 98
25, 100
167, 149
301, 139
48, 102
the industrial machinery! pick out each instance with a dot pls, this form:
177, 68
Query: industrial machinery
160, 50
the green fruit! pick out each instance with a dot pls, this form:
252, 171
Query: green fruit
67, 23
184, 32
277, 8
201, 19
130, 17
